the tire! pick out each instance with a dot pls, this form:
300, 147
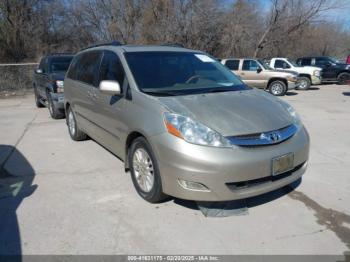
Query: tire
55, 113
75, 133
277, 88
37, 99
304, 83
145, 172
343, 78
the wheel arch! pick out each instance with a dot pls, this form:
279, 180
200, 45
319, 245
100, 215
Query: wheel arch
130, 138
277, 79
341, 72
305, 75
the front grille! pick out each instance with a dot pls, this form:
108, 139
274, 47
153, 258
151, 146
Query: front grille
259, 181
265, 138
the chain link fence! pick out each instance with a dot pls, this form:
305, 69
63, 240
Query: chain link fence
16, 79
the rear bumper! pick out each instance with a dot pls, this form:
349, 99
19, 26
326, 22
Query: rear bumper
222, 170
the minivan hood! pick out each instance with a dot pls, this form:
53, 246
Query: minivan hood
232, 113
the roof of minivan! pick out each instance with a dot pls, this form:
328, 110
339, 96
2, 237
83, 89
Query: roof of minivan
143, 48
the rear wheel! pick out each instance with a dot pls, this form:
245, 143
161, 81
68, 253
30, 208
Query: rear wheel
343, 78
75, 133
54, 111
37, 99
304, 83
278, 88
144, 171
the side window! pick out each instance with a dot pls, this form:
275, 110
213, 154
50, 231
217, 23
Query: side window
232, 64
321, 61
111, 68
72, 71
306, 61
88, 67
250, 65
281, 64
42, 64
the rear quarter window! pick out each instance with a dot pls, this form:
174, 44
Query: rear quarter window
87, 68
72, 71
232, 64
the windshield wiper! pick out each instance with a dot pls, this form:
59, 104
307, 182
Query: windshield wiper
219, 89
161, 93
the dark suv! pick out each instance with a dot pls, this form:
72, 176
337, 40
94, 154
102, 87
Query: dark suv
48, 83
332, 71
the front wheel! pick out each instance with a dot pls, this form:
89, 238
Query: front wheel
304, 83
144, 171
343, 78
278, 88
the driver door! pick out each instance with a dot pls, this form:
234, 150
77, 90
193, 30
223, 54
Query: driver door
252, 73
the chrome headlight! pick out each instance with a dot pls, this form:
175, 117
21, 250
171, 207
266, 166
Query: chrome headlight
193, 132
317, 73
60, 86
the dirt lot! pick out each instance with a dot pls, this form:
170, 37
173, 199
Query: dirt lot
63, 197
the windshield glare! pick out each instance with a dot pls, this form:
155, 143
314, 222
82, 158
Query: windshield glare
60, 64
265, 65
293, 63
179, 73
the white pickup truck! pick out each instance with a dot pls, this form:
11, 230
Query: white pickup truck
308, 75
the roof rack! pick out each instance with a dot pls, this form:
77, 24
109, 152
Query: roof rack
173, 45
113, 43
58, 54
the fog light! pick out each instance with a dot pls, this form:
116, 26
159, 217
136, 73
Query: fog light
194, 186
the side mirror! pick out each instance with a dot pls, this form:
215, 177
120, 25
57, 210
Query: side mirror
39, 71
110, 87
328, 64
258, 70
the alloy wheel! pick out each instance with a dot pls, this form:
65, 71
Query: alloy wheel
277, 89
143, 169
71, 123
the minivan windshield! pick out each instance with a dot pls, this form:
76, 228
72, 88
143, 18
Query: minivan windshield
180, 73
60, 64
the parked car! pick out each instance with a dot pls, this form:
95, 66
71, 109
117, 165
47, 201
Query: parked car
184, 125
48, 83
308, 75
256, 73
332, 71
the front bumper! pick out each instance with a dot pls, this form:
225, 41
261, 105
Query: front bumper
315, 80
220, 169
58, 100
292, 85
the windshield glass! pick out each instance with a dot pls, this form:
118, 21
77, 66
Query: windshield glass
265, 65
60, 64
293, 63
334, 60
180, 73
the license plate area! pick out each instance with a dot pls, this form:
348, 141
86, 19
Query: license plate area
282, 164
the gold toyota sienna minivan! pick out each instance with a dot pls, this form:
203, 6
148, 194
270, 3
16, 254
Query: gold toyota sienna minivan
184, 124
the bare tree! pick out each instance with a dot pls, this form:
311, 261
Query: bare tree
288, 16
